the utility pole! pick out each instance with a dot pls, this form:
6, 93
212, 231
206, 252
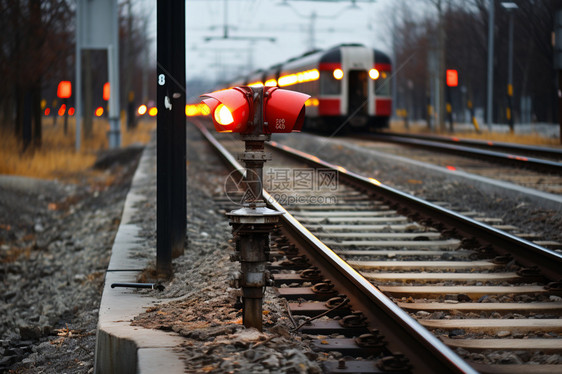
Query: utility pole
489, 107
558, 63
394, 58
510, 6
441, 72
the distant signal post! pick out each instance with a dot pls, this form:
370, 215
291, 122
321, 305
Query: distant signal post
64, 91
452, 76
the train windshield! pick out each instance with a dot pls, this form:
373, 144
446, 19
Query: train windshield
328, 84
382, 84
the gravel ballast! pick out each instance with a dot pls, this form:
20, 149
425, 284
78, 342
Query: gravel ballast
55, 244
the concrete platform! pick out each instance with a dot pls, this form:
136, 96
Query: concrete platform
120, 347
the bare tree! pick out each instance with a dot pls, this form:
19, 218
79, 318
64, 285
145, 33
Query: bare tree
34, 39
465, 24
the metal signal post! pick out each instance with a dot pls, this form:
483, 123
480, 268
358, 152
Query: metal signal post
255, 113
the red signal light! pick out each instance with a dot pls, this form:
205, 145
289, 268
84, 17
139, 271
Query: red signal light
232, 109
452, 78
106, 91
64, 90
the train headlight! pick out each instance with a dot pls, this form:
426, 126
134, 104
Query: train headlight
338, 74
374, 74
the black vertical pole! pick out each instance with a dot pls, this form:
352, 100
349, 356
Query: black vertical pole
449, 107
27, 108
560, 104
65, 103
170, 131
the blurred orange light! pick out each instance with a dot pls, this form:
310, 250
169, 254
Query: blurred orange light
153, 112
64, 89
204, 109
270, 83
452, 168
62, 109
287, 80
192, 110
71, 111
312, 102
142, 110
99, 111
106, 91
300, 77
47, 111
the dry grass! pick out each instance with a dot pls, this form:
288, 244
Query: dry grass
57, 158
484, 134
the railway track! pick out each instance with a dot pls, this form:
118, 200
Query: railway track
549, 153
471, 166
489, 295
503, 153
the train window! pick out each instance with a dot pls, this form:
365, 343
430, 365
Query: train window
328, 84
382, 84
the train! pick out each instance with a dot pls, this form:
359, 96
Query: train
349, 85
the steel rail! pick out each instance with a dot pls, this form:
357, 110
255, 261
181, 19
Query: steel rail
515, 160
525, 252
546, 152
426, 353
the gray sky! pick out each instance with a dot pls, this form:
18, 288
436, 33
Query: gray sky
336, 23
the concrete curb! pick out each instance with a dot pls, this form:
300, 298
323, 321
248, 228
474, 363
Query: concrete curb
120, 347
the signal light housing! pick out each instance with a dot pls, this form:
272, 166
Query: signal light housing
233, 101
236, 110
284, 110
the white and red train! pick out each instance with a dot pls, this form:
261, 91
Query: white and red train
349, 86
